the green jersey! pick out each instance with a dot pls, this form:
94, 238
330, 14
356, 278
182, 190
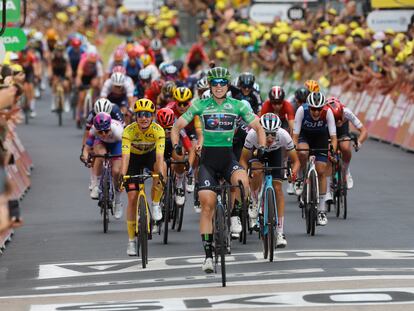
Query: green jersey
219, 121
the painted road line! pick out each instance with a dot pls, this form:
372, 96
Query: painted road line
325, 298
216, 285
80, 269
213, 277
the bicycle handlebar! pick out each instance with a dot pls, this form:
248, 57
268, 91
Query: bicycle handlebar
105, 156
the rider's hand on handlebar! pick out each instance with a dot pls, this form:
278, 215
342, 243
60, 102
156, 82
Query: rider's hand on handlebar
260, 152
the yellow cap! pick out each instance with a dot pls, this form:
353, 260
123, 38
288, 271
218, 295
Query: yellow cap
353, 25
341, 29
16, 68
377, 45
283, 38
232, 25
324, 82
296, 44
62, 16
296, 76
389, 31
388, 50
122, 9
267, 36
333, 12
323, 51
220, 54
358, 32
325, 24
170, 32
396, 43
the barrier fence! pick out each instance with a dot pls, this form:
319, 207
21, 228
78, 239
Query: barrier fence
18, 172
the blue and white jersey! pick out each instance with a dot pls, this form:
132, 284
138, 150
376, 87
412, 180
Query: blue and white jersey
305, 122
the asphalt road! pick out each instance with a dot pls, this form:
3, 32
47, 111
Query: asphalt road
61, 260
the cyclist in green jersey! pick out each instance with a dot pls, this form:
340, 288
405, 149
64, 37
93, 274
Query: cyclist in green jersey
218, 115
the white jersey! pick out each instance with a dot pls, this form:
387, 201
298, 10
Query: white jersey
116, 133
282, 140
350, 116
128, 87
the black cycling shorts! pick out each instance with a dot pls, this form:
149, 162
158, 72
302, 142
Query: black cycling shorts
216, 163
343, 131
137, 163
316, 140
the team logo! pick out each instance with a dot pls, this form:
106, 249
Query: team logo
212, 122
207, 183
227, 106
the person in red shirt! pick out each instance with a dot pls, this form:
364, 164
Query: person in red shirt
196, 56
154, 90
278, 105
182, 96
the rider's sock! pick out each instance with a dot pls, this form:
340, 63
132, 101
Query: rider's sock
190, 172
322, 206
117, 197
280, 224
328, 182
94, 180
179, 180
207, 244
346, 167
32, 105
131, 224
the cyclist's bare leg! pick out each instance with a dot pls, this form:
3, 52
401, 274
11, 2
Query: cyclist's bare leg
79, 107
157, 188
303, 155
97, 165
346, 149
240, 175
256, 179
208, 200
321, 170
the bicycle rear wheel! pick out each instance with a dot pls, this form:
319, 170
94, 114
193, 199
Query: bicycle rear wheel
221, 247
59, 105
180, 213
167, 198
243, 214
143, 231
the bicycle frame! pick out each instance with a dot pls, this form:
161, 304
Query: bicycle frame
141, 193
311, 167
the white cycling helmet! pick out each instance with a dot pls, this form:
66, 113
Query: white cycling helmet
171, 70
270, 122
316, 100
102, 105
118, 79
202, 84
145, 74
156, 44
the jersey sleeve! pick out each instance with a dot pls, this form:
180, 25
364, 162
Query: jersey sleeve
106, 88
267, 107
91, 137
251, 140
330, 119
89, 120
192, 111
117, 129
160, 141
286, 140
247, 115
298, 120
126, 139
290, 113
129, 87
349, 115
197, 122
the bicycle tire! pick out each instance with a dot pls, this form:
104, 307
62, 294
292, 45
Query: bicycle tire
180, 213
345, 205
143, 231
105, 202
244, 215
167, 196
271, 221
314, 199
337, 180
221, 235
60, 103
263, 237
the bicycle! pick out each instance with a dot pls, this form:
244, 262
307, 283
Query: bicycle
339, 187
221, 226
268, 217
172, 211
59, 99
74, 97
106, 187
144, 224
309, 199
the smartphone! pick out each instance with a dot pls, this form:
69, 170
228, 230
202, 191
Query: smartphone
14, 209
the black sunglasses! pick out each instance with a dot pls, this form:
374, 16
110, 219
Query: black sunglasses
143, 114
315, 109
104, 131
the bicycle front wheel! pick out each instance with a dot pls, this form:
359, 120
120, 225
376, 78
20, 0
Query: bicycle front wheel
271, 221
143, 231
221, 247
313, 199
243, 214
105, 203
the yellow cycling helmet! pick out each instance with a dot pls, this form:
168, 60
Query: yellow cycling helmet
144, 104
182, 94
312, 85
16, 68
145, 59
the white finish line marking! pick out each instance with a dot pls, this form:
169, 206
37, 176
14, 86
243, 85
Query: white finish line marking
375, 296
77, 269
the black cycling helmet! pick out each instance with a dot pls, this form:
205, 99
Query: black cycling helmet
179, 64
301, 94
246, 80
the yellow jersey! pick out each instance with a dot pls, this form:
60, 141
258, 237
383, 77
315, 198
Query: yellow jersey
138, 142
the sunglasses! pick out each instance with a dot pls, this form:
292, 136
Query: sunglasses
315, 109
183, 105
104, 131
143, 114
273, 134
221, 82
276, 103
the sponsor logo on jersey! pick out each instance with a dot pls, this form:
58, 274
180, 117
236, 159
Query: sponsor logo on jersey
219, 122
227, 106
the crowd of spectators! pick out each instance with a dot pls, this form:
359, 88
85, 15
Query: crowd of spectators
334, 47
